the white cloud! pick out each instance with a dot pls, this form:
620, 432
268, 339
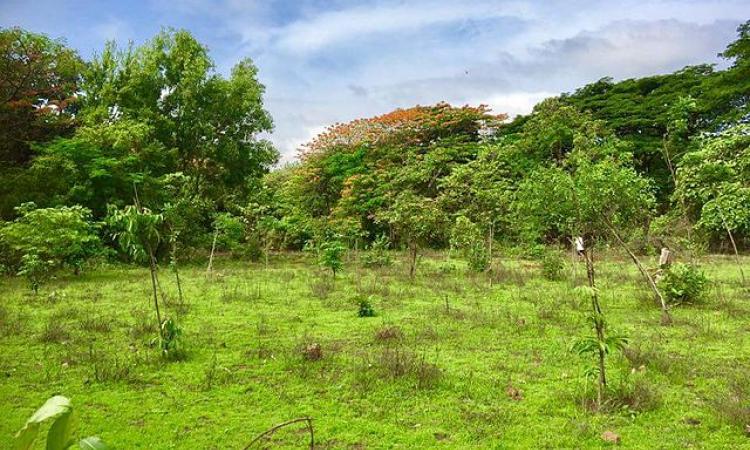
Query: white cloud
113, 29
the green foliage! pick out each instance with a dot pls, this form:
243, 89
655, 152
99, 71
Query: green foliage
331, 256
211, 121
713, 182
553, 265
365, 308
137, 230
59, 411
377, 255
35, 269
170, 340
684, 284
49, 237
467, 238
231, 231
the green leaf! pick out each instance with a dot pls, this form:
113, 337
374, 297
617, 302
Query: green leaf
57, 408
93, 443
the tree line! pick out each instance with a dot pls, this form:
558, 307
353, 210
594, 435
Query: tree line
659, 160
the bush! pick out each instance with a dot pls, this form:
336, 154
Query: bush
682, 283
230, 231
552, 265
478, 257
331, 253
59, 237
378, 256
251, 249
365, 308
467, 238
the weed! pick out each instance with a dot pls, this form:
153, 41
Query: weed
321, 288
54, 332
553, 265
388, 332
96, 324
733, 404
143, 324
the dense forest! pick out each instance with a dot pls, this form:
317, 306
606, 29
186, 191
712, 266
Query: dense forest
158, 119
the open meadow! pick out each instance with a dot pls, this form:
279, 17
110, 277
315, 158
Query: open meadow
453, 359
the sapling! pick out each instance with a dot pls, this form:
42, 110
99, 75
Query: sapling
138, 234
330, 257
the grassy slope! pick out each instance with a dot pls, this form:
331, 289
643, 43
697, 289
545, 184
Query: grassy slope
244, 372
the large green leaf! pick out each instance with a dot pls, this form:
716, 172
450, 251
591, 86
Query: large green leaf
93, 443
59, 410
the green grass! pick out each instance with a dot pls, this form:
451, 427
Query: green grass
449, 360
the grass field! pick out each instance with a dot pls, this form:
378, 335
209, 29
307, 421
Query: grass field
450, 360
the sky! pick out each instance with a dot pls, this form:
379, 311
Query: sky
332, 61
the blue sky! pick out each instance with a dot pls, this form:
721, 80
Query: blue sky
329, 61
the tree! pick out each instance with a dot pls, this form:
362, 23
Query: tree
713, 185
37, 92
210, 121
137, 230
594, 193
100, 164
58, 237
416, 220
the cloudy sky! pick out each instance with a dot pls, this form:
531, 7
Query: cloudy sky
328, 61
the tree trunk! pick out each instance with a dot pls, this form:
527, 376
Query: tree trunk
666, 318
211, 257
412, 259
152, 268
598, 324
734, 245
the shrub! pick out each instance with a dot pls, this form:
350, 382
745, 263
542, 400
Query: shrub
552, 265
478, 257
230, 231
252, 249
467, 238
331, 253
60, 237
378, 256
170, 340
683, 283
36, 270
365, 308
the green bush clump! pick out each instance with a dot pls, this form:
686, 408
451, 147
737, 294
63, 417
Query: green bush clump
365, 308
230, 231
552, 265
684, 283
467, 238
331, 256
42, 239
378, 256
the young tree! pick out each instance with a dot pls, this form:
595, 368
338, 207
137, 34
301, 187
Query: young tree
138, 231
416, 220
713, 185
47, 238
595, 194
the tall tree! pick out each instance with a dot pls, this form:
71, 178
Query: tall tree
38, 82
211, 122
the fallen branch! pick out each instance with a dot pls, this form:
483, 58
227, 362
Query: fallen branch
275, 428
